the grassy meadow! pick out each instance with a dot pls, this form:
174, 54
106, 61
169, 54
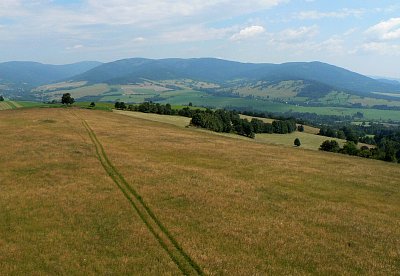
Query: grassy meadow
234, 206
308, 138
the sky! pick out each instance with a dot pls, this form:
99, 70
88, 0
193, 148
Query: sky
360, 35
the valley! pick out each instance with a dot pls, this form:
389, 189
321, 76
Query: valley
293, 89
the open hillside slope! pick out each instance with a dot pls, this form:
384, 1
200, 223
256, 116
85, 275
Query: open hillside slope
92, 192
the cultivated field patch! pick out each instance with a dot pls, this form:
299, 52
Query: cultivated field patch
5, 106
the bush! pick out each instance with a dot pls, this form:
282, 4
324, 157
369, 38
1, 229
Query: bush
120, 105
330, 145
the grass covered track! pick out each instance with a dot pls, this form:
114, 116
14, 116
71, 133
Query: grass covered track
60, 212
234, 206
166, 240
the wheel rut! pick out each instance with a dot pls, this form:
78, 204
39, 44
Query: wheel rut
166, 240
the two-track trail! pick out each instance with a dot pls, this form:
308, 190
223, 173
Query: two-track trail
184, 262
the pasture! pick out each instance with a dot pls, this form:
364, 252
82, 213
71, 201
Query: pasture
309, 139
91, 90
232, 206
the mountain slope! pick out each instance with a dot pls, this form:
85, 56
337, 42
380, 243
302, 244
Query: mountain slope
135, 69
34, 73
220, 71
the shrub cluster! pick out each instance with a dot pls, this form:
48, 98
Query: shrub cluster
388, 150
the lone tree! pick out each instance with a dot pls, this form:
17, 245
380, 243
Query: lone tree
92, 104
1, 98
297, 142
67, 99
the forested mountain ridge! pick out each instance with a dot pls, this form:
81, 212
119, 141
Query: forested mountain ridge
221, 71
35, 73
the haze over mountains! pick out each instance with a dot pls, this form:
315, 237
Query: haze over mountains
319, 77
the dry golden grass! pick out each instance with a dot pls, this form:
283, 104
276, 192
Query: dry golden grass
237, 207
60, 213
173, 120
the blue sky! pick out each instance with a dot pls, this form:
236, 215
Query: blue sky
361, 35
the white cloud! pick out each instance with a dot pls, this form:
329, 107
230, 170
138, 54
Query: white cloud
333, 45
248, 32
385, 30
75, 47
382, 48
146, 13
296, 35
100, 19
350, 31
309, 15
194, 33
10, 8
139, 39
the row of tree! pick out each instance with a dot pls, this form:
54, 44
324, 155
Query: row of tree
387, 150
229, 121
220, 120
344, 132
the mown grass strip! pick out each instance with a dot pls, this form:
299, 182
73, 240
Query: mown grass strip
15, 104
12, 105
5, 106
184, 262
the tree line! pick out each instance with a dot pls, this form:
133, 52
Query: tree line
387, 148
222, 120
219, 120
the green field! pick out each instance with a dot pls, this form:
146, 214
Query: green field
94, 192
91, 90
274, 101
389, 94
60, 85
5, 105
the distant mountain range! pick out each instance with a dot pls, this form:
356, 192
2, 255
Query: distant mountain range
316, 76
35, 74
222, 71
